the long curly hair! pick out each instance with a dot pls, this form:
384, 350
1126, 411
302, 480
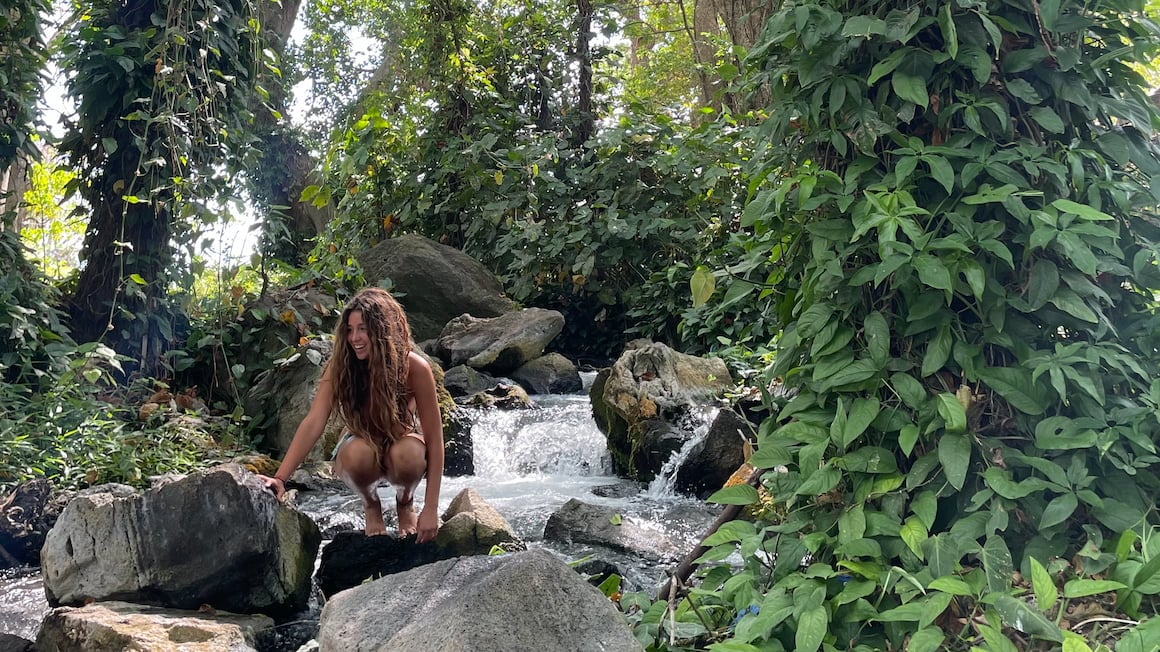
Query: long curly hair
371, 394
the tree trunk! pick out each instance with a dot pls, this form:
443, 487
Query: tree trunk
587, 122
14, 182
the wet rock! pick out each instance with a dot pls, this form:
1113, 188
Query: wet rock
524, 601
104, 626
549, 374
502, 396
216, 537
26, 516
649, 387
625, 489
716, 457
471, 527
579, 522
281, 398
14, 643
462, 380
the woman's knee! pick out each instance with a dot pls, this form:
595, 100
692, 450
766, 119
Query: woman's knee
356, 460
406, 461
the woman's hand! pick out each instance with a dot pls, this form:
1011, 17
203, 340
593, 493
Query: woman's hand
273, 484
428, 525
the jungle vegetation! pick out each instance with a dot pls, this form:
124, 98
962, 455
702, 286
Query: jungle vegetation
933, 222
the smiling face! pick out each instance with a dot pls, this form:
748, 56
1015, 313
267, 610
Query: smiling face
357, 336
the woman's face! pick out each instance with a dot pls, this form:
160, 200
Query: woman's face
356, 335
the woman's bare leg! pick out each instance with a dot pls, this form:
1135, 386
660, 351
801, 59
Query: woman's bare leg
406, 466
355, 466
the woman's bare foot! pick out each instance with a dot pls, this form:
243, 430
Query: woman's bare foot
408, 519
374, 518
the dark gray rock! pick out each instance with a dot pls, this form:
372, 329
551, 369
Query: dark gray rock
216, 537
579, 522
551, 373
462, 380
471, 527
524, 601
433, 282
26, 516
14, 643
711, 462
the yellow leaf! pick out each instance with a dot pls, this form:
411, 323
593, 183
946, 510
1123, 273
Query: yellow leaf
498, 178
702, 285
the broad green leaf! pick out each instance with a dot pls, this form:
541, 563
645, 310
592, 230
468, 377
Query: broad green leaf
864, 26
907, 438
740, 494
942, 172
910, 88
925, 507
1043, 284
1014, 384
862, 413
877, 334
1144, 637
852, 524
927, 639
811, 629
997, 564
1069, 302
702, 285
1058, 510
819, 482
1073, 642
954, 453
950, 34
913, 533
938, 351
1081, 588
1082, 210
1021, 616
932, 272
856, 372
1047, 118
1023, 90
951, 585
871, 459
1046, 595
942, 554
952, 413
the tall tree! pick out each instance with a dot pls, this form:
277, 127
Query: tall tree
163, 90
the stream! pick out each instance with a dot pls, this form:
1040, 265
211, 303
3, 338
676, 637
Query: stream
527, 464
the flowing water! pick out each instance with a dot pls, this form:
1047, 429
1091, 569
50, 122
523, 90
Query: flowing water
527, 464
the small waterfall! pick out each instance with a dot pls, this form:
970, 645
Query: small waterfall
696, 423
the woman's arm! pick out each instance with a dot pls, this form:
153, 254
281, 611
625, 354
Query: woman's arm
306, 436
421, 382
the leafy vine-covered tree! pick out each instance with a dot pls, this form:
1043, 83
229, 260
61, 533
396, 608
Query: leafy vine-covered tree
163, 90
960, 200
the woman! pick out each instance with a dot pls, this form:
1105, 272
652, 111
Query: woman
385, 394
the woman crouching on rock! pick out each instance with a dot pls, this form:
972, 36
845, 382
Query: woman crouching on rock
385, 394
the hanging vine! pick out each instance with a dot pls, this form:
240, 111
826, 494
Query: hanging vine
164, 90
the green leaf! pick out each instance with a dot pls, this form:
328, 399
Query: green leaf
913, 533
877, 335
1014, 384
136, 278
1021, 616
952, 413
702, 285
862, 413
997, 564
932, 272
110, 145
1082, 210
951, 585
907, 438
954, 453
1058, 510
925, 507
1046, 595
938, 351
616, 519
1047, 118
1023, 90
910, 88
1081, 588
1043, 284
927, 639
941, 170
811, 629
819, 482
740, 494
864, 26
856, 372
950, 34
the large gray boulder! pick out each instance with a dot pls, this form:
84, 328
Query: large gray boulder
471, 527
648, 388
214, 538
104, 626
580, 522
433, 282
501, 344
523, 601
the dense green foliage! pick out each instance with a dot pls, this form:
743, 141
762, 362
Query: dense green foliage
164, 93
961, 196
